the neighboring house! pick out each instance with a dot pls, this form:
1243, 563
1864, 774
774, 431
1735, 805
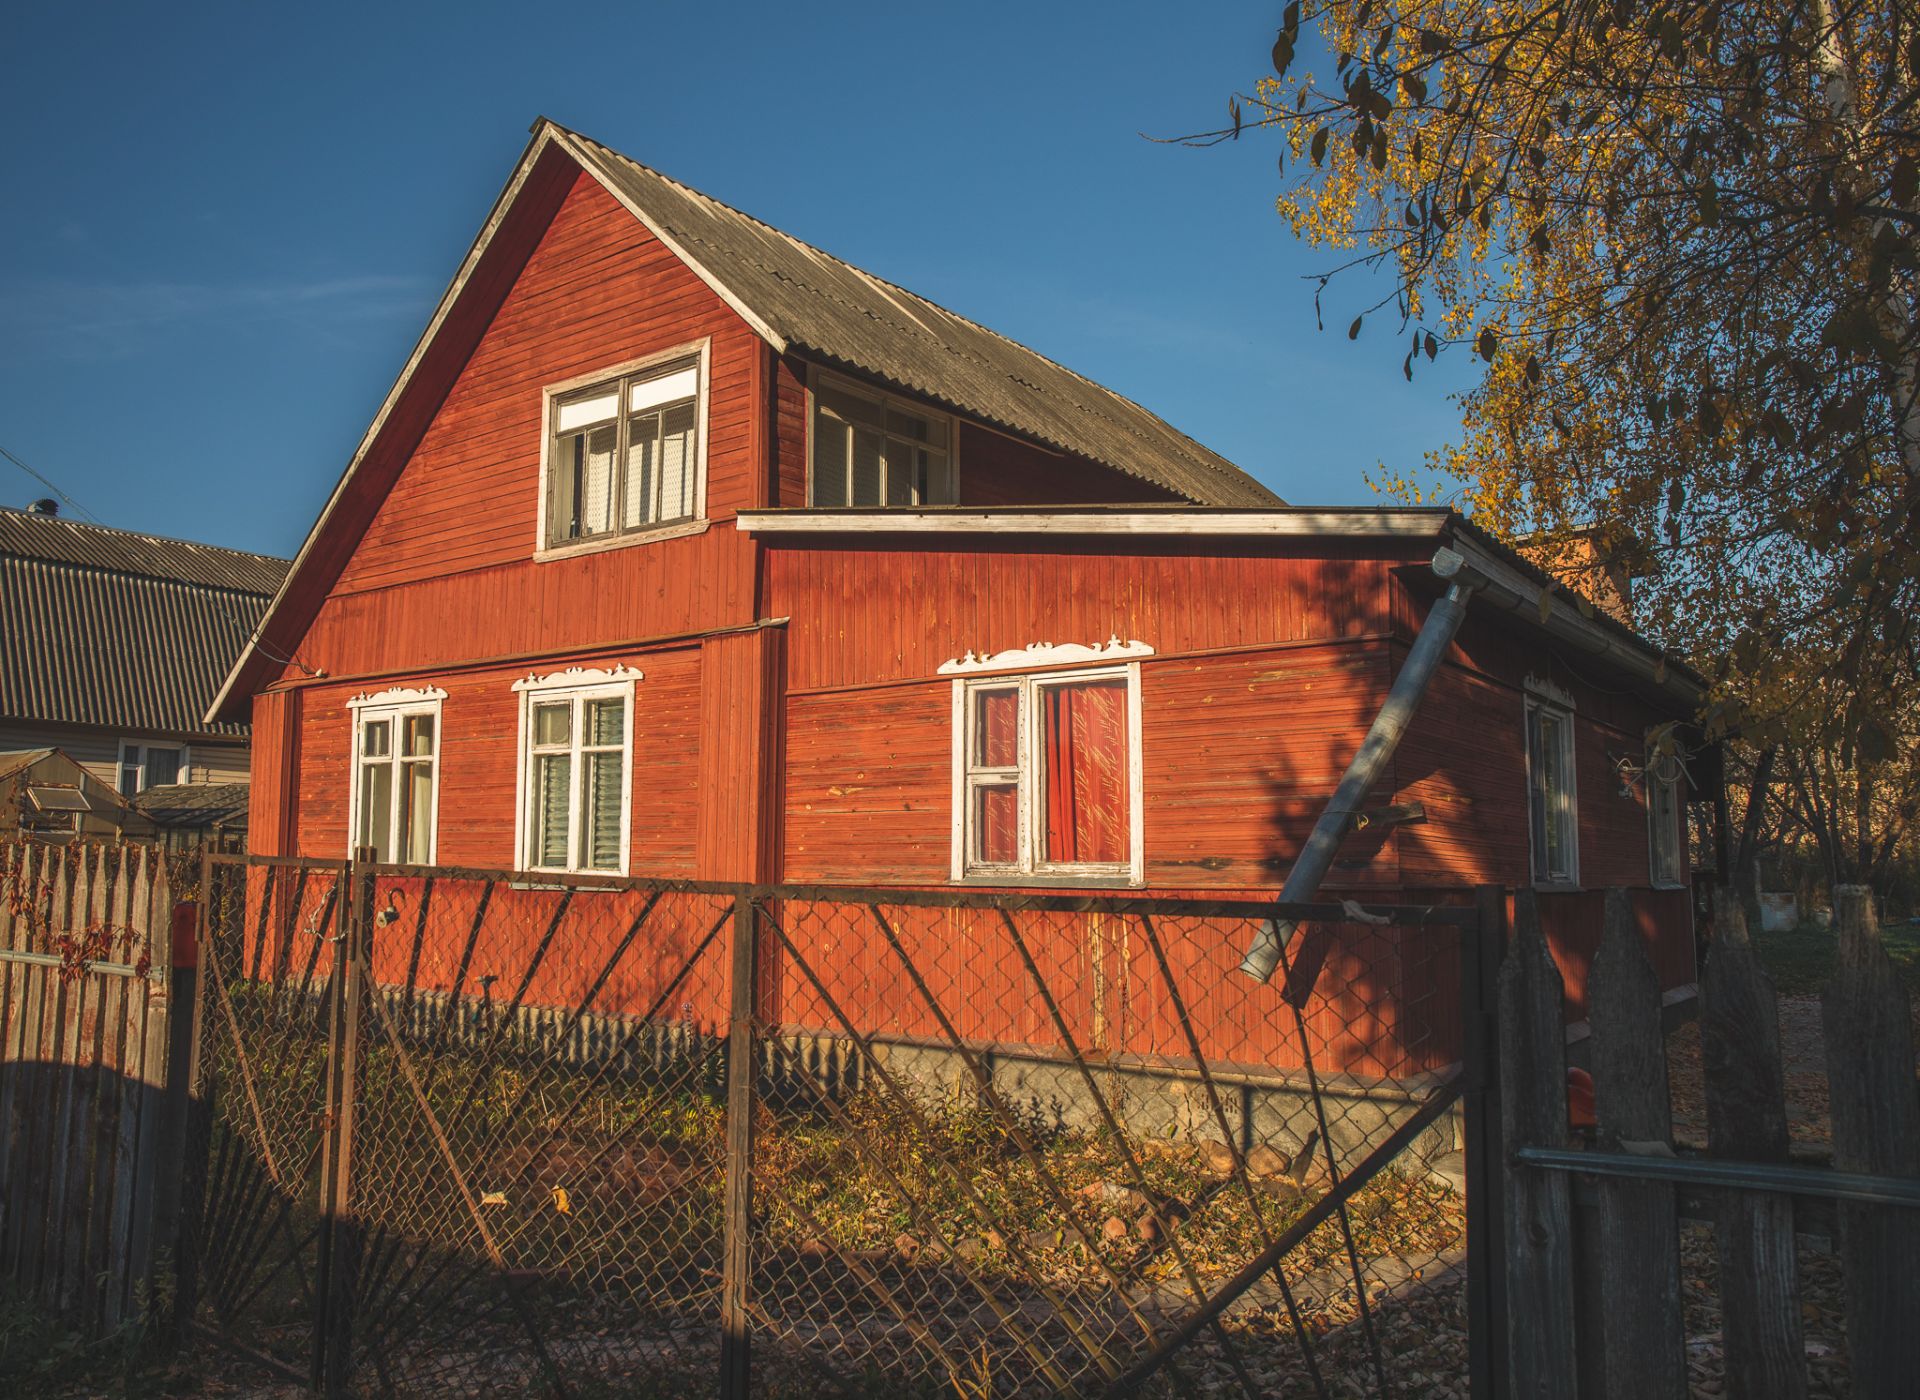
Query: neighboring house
113, 643
683, 549
46, 795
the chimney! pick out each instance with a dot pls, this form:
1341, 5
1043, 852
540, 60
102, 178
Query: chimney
46, 505
1600, 563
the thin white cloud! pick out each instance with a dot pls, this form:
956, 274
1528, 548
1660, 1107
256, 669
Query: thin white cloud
60, 318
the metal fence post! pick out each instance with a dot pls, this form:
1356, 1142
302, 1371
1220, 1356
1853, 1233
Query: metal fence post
339, 1256
735, 1332
1481, 949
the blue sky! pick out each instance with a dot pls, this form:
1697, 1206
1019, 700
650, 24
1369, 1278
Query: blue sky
226, 224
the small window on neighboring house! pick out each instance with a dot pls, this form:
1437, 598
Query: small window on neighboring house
1047, 780
576, 739
149, 765
396, 776
623, 455
870, 449
1666, 829
1551, 801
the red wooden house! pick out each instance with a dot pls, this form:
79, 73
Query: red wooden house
683, 549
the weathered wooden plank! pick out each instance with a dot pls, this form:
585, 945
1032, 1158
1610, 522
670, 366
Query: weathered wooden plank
1747, 1120
1868, 1025
62, 1053
126, 1183
1639, 1236
152, 904
1533, 1113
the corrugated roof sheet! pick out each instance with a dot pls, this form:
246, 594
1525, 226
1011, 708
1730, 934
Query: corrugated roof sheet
27, 534
828, 309
110, 627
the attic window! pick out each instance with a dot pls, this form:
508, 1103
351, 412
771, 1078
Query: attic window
624, 454
871, 449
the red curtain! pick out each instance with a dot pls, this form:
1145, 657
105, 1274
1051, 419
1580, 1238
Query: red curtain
1086, 761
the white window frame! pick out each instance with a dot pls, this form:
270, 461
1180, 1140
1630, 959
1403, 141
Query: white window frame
1029, 869
1676, 826
397, 706
139, 764
698, 351
817, 377
576, 685
1543, 696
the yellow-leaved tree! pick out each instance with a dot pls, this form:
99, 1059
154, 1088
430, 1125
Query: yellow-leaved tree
1681, 242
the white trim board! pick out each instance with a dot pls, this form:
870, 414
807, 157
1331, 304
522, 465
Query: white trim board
1418, 524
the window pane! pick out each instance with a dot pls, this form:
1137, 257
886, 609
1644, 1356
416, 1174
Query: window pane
552, 723
906, 425
376, 809
643, 469
416, 813
163, 766
603, 774
553, 792
996, 728
417, 736
850, 407
130, 775
829, 462
866, 469
1087, 804
664, 387
676, 463
904, 478
939, 481
996, 824
582, 412
605, 722
375, 738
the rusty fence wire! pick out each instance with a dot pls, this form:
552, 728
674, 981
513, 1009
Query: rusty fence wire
470, 1134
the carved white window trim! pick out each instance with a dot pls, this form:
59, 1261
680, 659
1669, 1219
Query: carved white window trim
1547, 690
398, 695
575, 677
1034, 654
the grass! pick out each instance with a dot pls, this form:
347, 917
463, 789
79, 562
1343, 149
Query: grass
42, 1356
1800, 960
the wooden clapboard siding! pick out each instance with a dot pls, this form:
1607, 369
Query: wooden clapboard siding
273, 792
868, 612
997, 470
670, 588
597, 291
1239, 755
739, 714
479, 754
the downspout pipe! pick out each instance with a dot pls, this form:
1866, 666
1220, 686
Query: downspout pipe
1389, 727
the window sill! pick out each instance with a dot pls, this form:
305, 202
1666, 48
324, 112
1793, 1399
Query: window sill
600, 544
1021, 879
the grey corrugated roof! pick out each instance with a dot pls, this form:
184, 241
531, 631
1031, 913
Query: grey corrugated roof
828, 309
29, 535
109, 627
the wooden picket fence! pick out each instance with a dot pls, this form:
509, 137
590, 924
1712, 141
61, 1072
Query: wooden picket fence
87, 1041
1591, 1283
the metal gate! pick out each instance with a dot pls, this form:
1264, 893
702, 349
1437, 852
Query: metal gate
471, 1134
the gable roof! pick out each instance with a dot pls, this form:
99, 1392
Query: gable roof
117, 628
811, 303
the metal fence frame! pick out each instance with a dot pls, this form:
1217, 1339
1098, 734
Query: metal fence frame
340, 1241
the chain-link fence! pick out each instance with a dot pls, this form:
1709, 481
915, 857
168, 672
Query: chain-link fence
473, 1134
